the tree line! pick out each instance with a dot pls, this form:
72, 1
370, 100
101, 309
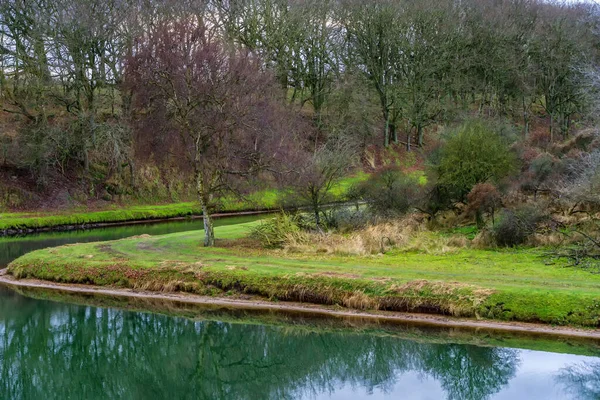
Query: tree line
226, 90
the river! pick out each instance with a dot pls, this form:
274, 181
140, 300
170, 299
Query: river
55, 346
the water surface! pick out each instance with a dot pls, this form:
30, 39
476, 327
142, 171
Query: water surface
53, 350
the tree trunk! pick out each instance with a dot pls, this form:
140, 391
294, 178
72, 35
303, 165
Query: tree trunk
317, 218
386, 132
86, 159
317, 214
209, 231
551, 129
564, 126
132, 173
479, 219
525, 120
393, 133
420, 135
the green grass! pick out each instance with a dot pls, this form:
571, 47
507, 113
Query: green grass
511, 285
260, 200
44, 220
469, 231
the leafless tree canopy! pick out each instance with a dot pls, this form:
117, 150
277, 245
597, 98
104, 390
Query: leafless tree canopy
205, 106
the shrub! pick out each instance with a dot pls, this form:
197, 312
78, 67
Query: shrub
581, 185
538, 176
516, 226
276, 232
436, 198
391, 192
347, 219
473, 154
483, 199
356, 194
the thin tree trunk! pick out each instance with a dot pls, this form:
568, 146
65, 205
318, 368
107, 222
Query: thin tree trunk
317, 216
525, 120
209, 231
386, 132
479, 219
551, 128
86, 159
564, 126
132, 173
420, 135
393, 133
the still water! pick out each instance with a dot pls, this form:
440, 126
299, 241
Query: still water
55, 350
55, 346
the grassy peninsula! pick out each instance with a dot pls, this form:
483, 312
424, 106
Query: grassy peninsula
508, 284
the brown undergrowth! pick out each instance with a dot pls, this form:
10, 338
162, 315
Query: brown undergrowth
406, 234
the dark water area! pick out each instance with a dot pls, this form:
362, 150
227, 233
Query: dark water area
55, 350
14, 247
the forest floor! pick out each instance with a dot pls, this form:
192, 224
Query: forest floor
524, 285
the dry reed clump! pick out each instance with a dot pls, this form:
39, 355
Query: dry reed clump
431, 243
370, 240
407, 234
448, 219
360, 301
451, 298
484, 240
459, 241
551, 239
143, 236
169, 286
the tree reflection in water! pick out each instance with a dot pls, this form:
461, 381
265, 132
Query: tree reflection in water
581, 380
52, 350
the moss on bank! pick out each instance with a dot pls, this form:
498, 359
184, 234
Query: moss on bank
510, 285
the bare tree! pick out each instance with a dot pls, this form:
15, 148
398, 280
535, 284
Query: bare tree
580, 189
206, 106
320, 171
581, 184
373, 46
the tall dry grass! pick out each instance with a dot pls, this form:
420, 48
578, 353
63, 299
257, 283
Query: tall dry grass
407, 234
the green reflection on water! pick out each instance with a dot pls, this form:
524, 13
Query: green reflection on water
52, 350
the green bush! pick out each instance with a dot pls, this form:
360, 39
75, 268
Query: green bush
391, 192
475, 153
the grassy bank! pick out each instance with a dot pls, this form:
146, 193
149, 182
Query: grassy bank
512, 285
47, 220
261, 200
